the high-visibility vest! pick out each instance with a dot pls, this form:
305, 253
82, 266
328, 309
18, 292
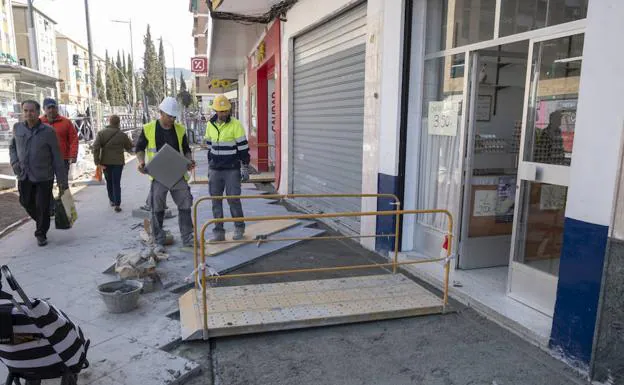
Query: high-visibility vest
150, 134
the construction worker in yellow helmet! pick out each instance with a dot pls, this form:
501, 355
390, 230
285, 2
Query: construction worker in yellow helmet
228, 161
153, 137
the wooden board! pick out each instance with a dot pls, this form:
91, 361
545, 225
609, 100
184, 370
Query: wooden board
251, 231
264, 177
293, 305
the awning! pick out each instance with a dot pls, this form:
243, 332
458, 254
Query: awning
247, 7
229, 44
27, 75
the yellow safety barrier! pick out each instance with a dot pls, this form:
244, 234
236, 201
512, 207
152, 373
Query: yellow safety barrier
394, 264
397, 204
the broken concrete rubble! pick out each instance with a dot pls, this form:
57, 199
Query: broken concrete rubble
138, 264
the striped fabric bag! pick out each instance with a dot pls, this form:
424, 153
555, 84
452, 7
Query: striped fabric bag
43, 344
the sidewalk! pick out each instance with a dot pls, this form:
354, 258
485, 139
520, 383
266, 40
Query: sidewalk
143, 347
125, 348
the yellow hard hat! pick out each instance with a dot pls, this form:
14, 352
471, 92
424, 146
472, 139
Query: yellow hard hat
221, 103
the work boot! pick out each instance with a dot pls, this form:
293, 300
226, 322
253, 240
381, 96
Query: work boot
217, 237
238, 234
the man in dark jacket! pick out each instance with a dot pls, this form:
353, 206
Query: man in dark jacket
36, 159
108, 153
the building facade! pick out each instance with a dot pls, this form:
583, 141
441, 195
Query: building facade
19, 78
502, 112
206, 86
45, 32
75, 79
8, 56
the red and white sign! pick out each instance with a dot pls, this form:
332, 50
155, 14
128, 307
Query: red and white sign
199, 64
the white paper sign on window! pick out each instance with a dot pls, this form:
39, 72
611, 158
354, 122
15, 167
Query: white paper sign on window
485, 203
443, 118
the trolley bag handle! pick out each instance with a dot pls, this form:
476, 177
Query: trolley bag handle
15, 286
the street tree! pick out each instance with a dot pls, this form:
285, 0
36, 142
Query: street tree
130, 75
121, 77
152, 83
194, 101
112, 83
101, 91
182, 84
162, 65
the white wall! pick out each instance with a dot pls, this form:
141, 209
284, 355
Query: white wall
391, 78
600, 117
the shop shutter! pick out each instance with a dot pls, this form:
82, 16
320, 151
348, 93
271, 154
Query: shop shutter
328, 112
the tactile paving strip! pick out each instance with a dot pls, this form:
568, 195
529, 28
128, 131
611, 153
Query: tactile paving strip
281, 306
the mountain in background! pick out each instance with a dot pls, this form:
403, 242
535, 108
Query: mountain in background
186, 73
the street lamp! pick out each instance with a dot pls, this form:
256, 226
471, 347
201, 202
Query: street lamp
134, 92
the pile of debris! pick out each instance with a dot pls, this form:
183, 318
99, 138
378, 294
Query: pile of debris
138, 264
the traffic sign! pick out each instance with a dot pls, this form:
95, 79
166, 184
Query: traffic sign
199, 64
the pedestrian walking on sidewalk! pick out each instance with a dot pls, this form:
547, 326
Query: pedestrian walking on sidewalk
66, 134
153, 137
108, 153
36, 159
228, 161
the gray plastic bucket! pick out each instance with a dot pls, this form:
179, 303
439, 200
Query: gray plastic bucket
121, 296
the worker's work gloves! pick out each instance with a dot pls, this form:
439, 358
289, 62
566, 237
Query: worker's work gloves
244, 170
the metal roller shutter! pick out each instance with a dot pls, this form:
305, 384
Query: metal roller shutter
328, 112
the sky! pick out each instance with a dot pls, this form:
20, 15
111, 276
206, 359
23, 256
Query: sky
167, 18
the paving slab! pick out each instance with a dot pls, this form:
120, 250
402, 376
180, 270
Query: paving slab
303, 304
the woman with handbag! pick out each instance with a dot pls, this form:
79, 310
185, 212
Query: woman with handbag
108, 154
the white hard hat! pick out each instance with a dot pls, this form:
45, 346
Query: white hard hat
169, 106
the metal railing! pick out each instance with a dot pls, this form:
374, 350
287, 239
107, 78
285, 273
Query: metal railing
396, 204
200, 263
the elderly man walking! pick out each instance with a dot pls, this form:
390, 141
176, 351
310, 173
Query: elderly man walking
36, 159
153, 137
228, 161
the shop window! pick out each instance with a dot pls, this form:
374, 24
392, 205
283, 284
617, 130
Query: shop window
525, 15
465, 22
439, 182
552, 119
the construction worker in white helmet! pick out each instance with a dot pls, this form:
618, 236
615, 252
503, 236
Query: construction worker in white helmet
228, 161
154, 136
